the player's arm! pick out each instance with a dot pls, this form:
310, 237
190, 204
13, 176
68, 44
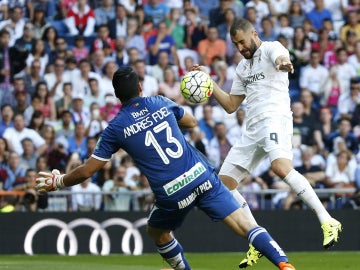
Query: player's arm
187, 121
229, 102
47, 182
283, 63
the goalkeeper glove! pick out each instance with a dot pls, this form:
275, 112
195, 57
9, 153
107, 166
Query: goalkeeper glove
47, 182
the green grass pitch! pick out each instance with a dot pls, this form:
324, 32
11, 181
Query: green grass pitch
200, 261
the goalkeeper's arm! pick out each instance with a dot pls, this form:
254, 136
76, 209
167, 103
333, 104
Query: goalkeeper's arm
47, 182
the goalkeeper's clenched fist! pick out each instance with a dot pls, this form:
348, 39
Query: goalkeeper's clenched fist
47, 182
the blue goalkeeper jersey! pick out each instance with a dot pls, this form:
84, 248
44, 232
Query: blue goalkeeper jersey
147, 129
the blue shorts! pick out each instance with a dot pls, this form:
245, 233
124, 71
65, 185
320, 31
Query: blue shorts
211, 196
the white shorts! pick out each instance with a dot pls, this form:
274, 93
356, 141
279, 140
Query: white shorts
270, 136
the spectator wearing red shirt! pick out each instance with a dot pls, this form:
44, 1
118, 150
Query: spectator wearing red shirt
81, 19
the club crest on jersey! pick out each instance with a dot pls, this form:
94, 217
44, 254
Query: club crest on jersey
184, 179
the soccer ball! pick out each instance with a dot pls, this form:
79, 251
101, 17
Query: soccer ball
196, 86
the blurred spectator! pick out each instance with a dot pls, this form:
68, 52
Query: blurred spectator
352, 23
65, 127
262, 9
110, 109
175, 28
301, 46
157, 70
48, 133
345, 132
146, 199
354, 59
268, 32
207, 123
8, 66
344, 70
80, 114
14, 25
195, 30
118, 25
86, 197
211, 46
217, 14
311, 111
327, 124
39, 22
340, 174
42, 164
29, 156
249, 184
15, 172
224, 33
80, 19
204, 7
313, 73
80, 78
97, 61
33, 76
122, 199
134, 39
103, 38
77, 142
55, 80
237, 129
283, 27
251, 15
350, 42
331, 90
65, 6
97, 124
219, 146
14, 136
162, 42
323, 44
104, 12
4, 156
38, 51
58, 156
4, 10
47, 104
318, 14
170, 86
6, 121
157, 11
96, 94
37, 121
27, 41
196, 140
309, 131
120, 54
50, 38
81, 50
149, 84
349, 99
64, 103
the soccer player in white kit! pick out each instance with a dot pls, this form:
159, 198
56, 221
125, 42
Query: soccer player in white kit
262, 78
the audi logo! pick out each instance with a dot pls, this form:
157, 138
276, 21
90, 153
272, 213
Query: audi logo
99, 230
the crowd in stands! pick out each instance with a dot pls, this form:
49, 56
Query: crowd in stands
56, 64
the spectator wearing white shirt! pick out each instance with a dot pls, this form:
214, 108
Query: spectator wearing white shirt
149, 84
312, 74
14, 136
86, 197
14, 25
262, 9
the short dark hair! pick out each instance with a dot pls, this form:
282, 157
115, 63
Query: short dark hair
126, 83
240, 24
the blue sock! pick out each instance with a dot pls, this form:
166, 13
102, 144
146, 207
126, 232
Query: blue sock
173, 254
263, 242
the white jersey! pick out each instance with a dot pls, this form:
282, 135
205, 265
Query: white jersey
265, 88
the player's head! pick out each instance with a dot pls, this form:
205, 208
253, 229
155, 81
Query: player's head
126, 84
244, 37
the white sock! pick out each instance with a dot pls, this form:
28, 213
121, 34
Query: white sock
243, 204
301, 186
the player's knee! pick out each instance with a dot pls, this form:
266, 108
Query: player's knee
281, 167
229, 182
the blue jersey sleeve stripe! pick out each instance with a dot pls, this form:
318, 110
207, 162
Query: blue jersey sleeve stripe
100, 158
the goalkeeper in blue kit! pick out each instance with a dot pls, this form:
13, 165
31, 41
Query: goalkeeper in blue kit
148, 129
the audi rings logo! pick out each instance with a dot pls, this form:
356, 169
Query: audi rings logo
99, 229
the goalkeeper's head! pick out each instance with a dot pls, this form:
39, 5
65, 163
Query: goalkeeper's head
126, 84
